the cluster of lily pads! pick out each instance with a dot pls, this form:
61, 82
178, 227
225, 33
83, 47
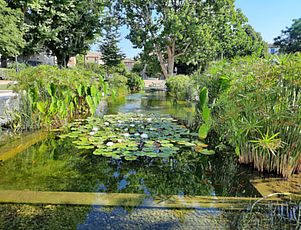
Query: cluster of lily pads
133, 135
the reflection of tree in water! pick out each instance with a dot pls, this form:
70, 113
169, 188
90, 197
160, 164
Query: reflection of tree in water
186, 173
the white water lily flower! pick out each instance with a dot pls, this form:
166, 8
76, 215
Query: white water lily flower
95, 129
144, 135
151, 129
137, 134
126, 134
119, 141
149, 119
107, 123
119, 121
126, 129
132, 125
92, 133
110, 143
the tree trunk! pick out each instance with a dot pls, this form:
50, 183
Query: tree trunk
62, 60
171, 59
162, 64
3, 62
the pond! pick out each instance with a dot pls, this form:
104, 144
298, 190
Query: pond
62, 182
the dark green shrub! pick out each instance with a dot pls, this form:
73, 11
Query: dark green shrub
134, 82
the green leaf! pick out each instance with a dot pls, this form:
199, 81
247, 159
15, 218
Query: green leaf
206, 114
41, 107
237, 151
207, 152
203, 131
203, 97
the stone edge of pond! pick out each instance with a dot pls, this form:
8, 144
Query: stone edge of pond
132, 200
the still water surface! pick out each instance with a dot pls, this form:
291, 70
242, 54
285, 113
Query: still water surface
56, 165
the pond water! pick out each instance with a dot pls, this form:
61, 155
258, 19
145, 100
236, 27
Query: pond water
178, 192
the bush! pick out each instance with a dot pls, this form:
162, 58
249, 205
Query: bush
181, 87
134, 82
50, 97
118, 81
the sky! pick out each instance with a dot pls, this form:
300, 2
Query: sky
267, 17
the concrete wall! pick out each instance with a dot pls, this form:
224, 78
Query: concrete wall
8, 102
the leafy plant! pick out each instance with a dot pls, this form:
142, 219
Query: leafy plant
205, 113
134, 82
53, 96
133, 135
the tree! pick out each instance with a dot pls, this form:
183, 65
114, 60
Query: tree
192, 31
290, 39
11, 32
110, 52
63, 28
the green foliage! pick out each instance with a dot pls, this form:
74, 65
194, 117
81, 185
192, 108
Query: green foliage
191, 31
50, 96
118, 81
11, 31
134, 82
205, 114
259, 112
132, 136
64, 28
181, 87
110, 52
290, 39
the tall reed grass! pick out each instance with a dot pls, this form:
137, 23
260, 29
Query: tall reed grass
259, 112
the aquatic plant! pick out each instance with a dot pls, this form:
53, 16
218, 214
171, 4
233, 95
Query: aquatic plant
251, 97
133, 135
260, 113
50, 96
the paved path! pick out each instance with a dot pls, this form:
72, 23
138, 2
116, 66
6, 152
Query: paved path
155, 84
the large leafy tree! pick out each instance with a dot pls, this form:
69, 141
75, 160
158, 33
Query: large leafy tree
11, 32
64, 28
290, 39
191, 30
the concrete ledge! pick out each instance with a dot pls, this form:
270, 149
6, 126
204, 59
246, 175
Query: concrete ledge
131, 200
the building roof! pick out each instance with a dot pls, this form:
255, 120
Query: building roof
128, 61
93, 55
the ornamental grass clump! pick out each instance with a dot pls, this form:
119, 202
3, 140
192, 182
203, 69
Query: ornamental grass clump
260, 113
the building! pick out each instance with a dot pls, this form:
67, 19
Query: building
94, 57
41, 58
273, 49
129, 64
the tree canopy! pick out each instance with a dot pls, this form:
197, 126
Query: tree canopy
11, 31
290, 38
191, 31
63, 28
111, 53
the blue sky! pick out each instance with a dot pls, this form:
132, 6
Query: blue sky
268, 17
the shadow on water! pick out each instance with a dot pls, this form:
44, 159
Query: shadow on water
56, 165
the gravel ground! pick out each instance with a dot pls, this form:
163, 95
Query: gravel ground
150, 218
